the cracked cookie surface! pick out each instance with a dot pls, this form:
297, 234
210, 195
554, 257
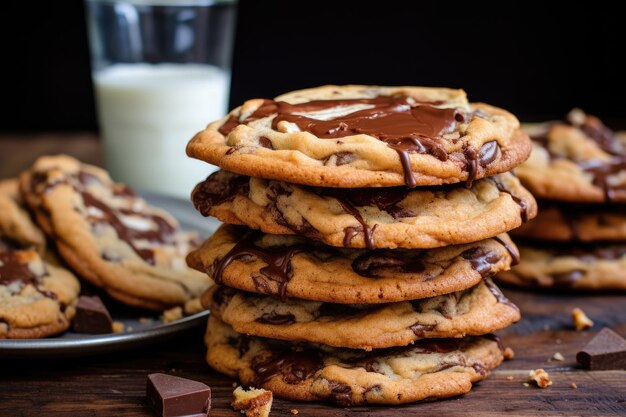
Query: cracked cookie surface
428, 369
365, 136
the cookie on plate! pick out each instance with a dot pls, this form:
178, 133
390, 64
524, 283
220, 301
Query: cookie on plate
575, 222
598, 267
428, 369
293, 266
37, 297
365, 136
478, 310
110, 236
15, 222
389, 217
579, 160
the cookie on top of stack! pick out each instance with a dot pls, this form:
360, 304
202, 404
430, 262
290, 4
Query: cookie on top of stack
577, 170
363, 226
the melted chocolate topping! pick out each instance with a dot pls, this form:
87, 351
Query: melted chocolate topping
161, 233
515, 257
397, 120
220, 187
481, 260
521, 203
278, 261
275, 318
13, 269
498, 294
293, 367
374, 264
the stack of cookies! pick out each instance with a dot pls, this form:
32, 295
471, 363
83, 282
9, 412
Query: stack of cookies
363, 225
102, 231
578, 241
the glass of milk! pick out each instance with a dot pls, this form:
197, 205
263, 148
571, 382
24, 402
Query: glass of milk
161, 73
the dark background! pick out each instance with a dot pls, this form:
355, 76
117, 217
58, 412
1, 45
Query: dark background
534, 60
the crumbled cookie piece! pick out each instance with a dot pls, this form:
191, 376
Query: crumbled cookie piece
573, 385
558, 357
294, 411
172, 314
145, 320
253, 402
508, 353
581, 321
509, 378
541, 378
193, 306
118, 327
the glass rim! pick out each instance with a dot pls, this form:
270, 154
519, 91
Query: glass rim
174, 3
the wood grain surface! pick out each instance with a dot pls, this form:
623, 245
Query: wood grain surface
114, 384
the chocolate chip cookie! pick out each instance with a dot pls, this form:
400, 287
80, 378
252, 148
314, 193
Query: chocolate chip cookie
110, 236
575, 222
478, 310
597, 267
580, 160
365, 136
37, 297
388, 217
15, 222
428, 369
293, 266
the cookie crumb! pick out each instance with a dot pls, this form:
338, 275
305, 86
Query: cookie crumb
193, 306
235, 385
294, 411
145, 320
129, 329
118, 327
581, 321
526, 384
558, 341
573, 385
540, 377
508, 353
509, 378
558, 357
255, 402
172, 314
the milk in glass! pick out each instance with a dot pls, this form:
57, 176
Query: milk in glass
148, 113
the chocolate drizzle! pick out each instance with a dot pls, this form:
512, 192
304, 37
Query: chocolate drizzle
276, 318
220, 187
521, 203
293, 367
515, 257
278, 260
405, 125
498, 294
481, 260
374, 264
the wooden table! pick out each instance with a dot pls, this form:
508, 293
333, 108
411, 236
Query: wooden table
114, 384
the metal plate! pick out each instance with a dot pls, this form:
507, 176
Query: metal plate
143, 331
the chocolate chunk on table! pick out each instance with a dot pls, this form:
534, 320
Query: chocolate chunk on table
92, 316
171, 396
606, 351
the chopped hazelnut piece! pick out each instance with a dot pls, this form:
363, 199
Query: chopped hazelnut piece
581, 321
253, 403
558, 357
574, 386
172, 314
508, 353
294, 411
118, 327
541, 378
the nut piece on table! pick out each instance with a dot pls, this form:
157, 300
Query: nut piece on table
253, 403
581, 321
541, 378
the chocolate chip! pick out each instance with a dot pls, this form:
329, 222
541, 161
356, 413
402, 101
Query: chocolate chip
606, 351
92, 316
172, 396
